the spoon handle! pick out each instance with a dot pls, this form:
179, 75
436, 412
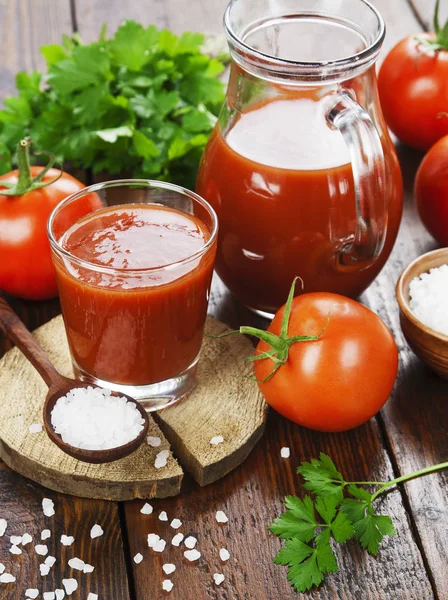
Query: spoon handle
16, 331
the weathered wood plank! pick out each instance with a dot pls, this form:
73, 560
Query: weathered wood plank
21, 506
25, 25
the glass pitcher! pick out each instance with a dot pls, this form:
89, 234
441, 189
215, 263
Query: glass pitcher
300, 167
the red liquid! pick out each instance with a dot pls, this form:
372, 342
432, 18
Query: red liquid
282, 185
135, 327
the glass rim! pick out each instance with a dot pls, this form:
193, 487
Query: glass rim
148, 183
333, 67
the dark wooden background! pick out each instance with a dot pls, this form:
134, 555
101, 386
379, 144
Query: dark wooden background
410, 432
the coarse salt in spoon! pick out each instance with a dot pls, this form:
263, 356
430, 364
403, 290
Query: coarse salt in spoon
59, 387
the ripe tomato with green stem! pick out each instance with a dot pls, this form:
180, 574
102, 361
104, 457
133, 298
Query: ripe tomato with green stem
325, 362
27, 197
413, 87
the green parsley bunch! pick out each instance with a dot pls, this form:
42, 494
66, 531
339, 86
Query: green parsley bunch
142, 104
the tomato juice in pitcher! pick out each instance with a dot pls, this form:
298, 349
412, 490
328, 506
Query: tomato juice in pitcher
300, 168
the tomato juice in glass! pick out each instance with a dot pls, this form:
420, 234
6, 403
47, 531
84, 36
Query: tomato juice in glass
134, 278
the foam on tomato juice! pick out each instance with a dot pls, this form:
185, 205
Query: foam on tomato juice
134, 281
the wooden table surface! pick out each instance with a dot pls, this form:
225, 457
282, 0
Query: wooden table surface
409, 433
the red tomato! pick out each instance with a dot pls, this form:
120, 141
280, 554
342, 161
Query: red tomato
342, 379
26, 269
431, 191
413, 87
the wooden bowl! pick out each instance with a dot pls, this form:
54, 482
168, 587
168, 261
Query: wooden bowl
428, 344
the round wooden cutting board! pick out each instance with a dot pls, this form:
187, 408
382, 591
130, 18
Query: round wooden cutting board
224, 403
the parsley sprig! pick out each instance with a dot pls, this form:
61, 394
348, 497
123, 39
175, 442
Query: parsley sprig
342, 509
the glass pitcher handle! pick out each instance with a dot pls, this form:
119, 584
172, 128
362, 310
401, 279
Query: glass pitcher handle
368, 164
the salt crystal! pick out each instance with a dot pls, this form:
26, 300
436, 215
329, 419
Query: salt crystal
190, 542
94, 419
70, 585
428, 295
167, 585
146, 509
48, 507
15, 550
60, 594
224, 554
96, 531
31, 593
88, 568
41, 549
218, 439
35, 428
161, 459
49, 596
3, 526
168, 568
285, 452
159, 546
49, 561
163, 516
76, 563
192, 555
15, 539
44, 569
92, 596
138, 558
153, 538
46, 533
2, 568
177, 539
176, 523
26, 539
153, 441
219, 578
67, 540
221, 517
7, 578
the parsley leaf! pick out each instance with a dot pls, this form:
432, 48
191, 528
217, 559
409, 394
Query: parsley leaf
322, 477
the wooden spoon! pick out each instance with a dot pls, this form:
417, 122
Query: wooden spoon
59, 386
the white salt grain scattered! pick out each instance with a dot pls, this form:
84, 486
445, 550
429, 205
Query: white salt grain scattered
76, 563
70, 586
88, 568
221, 517
190, 541
167, 585
41, 549
159, 546
163, 516
168, 568
50, 561
138, 558
285, 452
15, 550
153, 441
192, 555
31, 593
176, 523
177, 539
67, 540
49, 596
428, 298
218, 439
96, 531
26, 539
161, 459
153, 538
15, 539
92, 596
46, 533
146, 509
224, 554
94, 419
60, 594
48, 507
3, 526
2, 568
44, 569
219, 578
7, 578
35, 428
